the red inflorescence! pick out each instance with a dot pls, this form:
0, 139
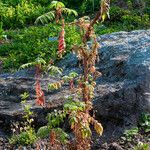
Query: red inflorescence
61, 42
40, 98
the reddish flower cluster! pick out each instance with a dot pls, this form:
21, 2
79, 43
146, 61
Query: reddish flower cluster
40, 98
61, 42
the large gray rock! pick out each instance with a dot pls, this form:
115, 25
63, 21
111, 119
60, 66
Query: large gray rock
124, 89
122, 93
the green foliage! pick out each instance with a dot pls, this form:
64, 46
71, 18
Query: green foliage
55, 118
18, 13
1, 31
24, 138
143, 128
116, 13
38, 61
54, 71
65, 79
83, 6
43, 132
145, 122
57, 5
71, 76
61, 135
24, 13
69, 12
125, 19
132, 22
30, 43
45, 18
129, 134
58, 9
142, 146
24, 96
74, 106
24, 134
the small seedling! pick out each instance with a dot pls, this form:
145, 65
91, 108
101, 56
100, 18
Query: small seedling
24, 133
129, 134
142, 146
145, 122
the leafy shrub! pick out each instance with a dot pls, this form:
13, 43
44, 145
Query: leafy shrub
15, 2
18, 16
126, 19
24, 138
43, 132
142, 146
132, 22
116, 13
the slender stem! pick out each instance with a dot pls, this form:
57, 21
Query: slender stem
87, 34
85, 66
85, 60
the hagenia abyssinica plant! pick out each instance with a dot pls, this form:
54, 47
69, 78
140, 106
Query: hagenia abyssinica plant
79, 104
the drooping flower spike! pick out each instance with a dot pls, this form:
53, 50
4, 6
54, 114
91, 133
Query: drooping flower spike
61, 41
40, 98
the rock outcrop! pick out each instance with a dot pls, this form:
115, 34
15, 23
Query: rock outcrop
124, 89
122, 93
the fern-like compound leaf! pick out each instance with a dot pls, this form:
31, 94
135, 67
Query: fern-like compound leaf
68, 11
45, 18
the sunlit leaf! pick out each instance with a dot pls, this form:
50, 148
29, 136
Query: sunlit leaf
98, 127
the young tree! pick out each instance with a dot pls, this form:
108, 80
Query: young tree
79, 104
57, 11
